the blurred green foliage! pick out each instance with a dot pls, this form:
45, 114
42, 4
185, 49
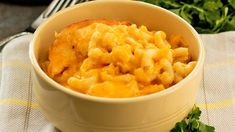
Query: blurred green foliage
206, 16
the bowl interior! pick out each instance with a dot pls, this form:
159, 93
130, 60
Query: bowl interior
155, 18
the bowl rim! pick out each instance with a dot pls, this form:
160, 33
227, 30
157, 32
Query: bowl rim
167, 91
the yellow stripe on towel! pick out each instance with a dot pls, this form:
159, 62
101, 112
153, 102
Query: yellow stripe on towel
15, 64
217, 105
18, 102
220, 64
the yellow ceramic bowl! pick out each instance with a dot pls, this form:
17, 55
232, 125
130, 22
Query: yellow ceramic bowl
72, 111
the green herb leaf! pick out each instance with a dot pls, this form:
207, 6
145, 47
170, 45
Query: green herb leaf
180, 127
176, 11
206, 128
232, 3
230, 25
192, 123
169, 4
195, 113
212, 5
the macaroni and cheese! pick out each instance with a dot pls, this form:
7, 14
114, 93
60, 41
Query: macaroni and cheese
117, 59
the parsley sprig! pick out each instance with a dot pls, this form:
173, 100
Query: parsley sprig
192, 124
206, 16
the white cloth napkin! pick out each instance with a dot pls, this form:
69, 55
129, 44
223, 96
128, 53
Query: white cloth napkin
20, 112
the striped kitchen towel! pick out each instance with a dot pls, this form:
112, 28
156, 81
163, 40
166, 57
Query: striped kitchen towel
19, 111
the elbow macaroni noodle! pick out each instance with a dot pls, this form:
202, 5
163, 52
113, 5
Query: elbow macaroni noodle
117, 59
